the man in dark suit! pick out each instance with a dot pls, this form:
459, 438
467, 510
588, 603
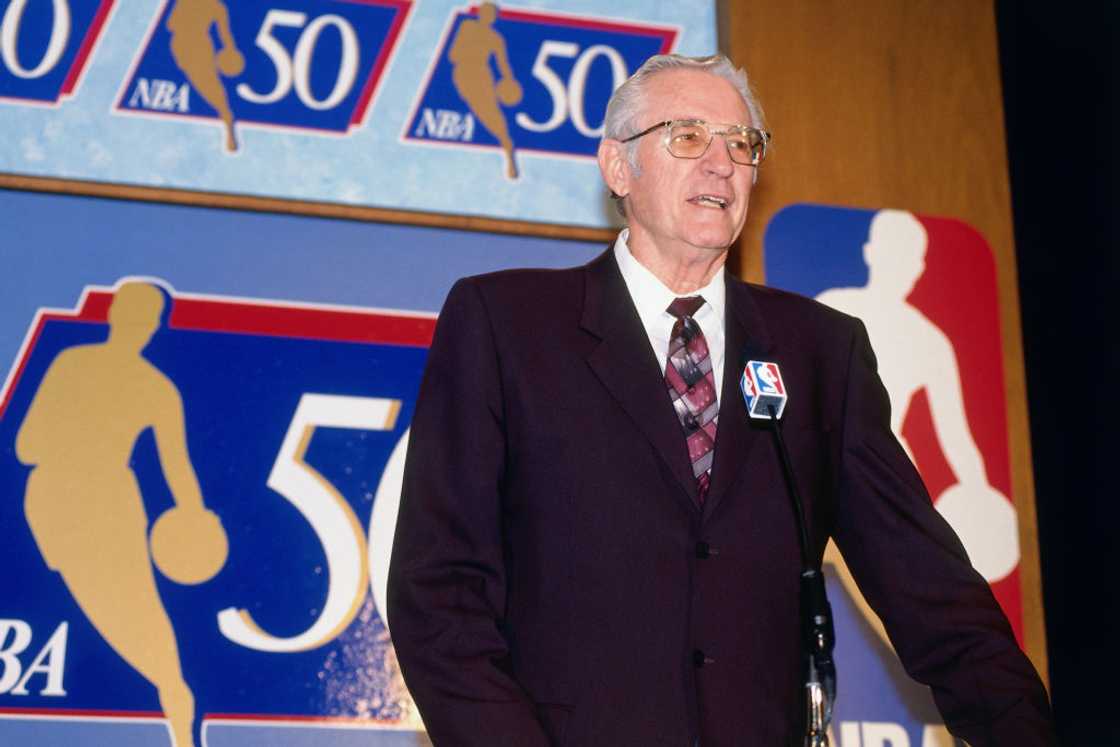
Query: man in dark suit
595, 546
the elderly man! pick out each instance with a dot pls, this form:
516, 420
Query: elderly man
595, 546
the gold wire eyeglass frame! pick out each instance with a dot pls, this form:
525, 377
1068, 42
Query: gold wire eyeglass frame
755, 155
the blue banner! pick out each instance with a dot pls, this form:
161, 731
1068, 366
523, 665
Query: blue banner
315, 69
201, 446
439, 107
45, 46
537, 81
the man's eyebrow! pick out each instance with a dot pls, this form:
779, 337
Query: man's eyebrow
694, 118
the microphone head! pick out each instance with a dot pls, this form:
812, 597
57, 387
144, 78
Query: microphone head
763, 388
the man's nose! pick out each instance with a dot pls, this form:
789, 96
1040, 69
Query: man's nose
717, 158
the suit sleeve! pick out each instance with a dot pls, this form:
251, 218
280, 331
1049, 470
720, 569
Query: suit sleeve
447, 580
940, 614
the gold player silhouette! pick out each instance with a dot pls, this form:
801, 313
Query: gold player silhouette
193, 51
475, 42
84, 505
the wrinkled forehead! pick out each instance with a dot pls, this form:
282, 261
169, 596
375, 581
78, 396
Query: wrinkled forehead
693, 94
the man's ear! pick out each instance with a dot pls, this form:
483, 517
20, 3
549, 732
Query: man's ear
615, 167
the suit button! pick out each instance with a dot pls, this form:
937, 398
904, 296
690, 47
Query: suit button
705, 551
700, 660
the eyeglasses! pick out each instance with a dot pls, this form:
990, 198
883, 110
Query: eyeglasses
690, 138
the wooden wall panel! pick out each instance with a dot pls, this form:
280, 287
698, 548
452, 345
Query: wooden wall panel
893, 103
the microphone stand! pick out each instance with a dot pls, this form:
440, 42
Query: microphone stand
816, 624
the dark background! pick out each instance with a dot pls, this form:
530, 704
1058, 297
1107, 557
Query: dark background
1058, 64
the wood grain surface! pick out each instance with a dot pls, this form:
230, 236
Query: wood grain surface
894, 103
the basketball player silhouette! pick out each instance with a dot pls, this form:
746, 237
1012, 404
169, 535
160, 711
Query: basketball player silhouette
914, 354
83, 503
475, 43
193, 51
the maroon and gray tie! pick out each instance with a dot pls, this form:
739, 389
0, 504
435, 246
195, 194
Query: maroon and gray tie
691, 384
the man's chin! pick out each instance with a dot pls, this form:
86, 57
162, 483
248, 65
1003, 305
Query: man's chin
713, 240
717, 234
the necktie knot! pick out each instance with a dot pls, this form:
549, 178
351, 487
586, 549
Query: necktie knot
687, 306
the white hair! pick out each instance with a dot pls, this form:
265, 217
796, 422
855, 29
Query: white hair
625, 105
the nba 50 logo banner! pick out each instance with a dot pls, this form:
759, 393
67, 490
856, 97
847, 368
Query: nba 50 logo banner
441, 106
555, 74
315, 68
271, 492
200, 486
45, 46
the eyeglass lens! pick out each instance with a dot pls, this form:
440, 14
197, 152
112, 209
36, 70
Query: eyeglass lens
690, 140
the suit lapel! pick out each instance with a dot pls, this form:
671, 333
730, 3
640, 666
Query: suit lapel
746, 337
625, 364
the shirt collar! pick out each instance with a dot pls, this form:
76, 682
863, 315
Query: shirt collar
651, 296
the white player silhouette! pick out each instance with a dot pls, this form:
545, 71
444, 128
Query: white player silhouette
913, 354
767, 377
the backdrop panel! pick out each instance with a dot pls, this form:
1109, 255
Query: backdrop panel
876, 104
292, 344
392, 104
285, 365
925, 288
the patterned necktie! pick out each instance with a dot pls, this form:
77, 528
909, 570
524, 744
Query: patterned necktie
688, 375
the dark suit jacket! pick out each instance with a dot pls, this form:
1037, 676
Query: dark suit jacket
554, 580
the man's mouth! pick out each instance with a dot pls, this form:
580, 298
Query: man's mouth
710, 201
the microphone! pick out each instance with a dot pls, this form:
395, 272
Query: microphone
765, 395
762, 389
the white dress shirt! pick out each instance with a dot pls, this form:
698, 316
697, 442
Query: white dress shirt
652, 299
